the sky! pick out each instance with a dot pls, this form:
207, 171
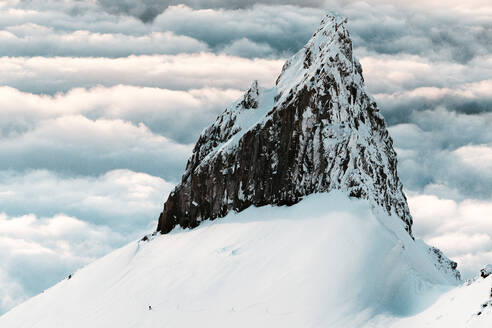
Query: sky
101, 102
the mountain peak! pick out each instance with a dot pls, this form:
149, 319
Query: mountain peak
250, 99
330, 48
317, 130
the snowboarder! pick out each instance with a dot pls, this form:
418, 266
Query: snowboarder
150, 307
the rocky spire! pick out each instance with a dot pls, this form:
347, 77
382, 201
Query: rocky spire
317, 130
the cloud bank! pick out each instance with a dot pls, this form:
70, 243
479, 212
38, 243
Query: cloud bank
122, 200
101, 101
61, 74
78, 220
37, 252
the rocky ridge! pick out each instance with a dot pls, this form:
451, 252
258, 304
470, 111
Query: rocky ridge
317, 130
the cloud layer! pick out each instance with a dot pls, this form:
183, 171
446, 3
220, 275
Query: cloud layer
175, 114
453, 31
123, 200
77, 220
37, 252
101, 101
60, 74
462, 229
78, 145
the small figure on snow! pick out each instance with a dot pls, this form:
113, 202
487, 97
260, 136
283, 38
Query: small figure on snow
150, 307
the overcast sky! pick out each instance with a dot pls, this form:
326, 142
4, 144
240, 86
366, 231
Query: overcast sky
102, 100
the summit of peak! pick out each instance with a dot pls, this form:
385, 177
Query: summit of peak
330, 22
327, 53
332, 36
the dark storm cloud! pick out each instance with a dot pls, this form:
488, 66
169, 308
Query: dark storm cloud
398, 112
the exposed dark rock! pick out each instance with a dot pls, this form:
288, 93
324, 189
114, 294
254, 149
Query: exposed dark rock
486, 271
317, 130
444, 264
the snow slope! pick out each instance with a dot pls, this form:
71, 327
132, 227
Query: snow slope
467, 306
327, 261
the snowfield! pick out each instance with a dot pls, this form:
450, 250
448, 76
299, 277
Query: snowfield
327, 261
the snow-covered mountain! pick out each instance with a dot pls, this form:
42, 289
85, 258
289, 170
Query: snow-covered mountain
317, 130
341, 254
327, 261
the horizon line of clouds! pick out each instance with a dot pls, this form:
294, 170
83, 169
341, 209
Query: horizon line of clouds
178, 115
75, 144
392, 80
102, 200
176, 72
83, 43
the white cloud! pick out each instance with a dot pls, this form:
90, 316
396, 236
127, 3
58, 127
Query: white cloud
128, 202
180, 72
245, 47
36, 40
476, 156
437, 148
36, 252
78, 145
171, 113
99, 214
92, 131
285, 28
390, 74
462, 230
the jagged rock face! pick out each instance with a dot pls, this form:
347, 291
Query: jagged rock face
315, 131
444, 264
486, 271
